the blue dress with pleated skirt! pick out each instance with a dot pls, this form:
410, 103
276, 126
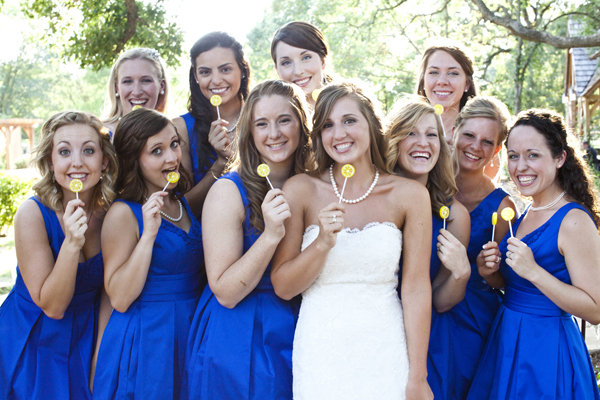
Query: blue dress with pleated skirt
45, 358
439, 357
244, 352
473, 316
535, 350
143, 349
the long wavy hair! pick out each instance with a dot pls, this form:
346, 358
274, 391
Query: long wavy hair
247, 157
460, 54
325, 102
574, 176
47, 189
304, 36
130, 138
198, 105
401, 121
115, 109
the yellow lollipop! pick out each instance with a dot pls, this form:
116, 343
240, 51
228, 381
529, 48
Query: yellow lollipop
347, 172
315, 93
508, 214
439, 109
172, 177
263, 170
494, 222
136, 107
444, 214
216, 100
76, 185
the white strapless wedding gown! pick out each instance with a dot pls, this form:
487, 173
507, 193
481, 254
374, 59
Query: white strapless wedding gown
349, 341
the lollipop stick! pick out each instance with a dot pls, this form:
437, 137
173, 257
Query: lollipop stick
269, 182
165, 188
442, 123
218, 113
77, 195
342, 192
494, 230
444, 227
510, 227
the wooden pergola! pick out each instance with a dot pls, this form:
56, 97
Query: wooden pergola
582, 85
11, 129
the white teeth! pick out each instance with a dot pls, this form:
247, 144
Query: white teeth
342, 147
137, 102
472, 156
218, 91
302, 81
276, 146
418, 154
526, 179
442, 93
77, 176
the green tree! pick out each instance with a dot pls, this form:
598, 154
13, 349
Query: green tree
94, 32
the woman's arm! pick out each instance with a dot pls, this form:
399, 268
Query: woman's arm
416, 285
579, 242
294, 271
127, 258
233, 274
450, 283
51, 283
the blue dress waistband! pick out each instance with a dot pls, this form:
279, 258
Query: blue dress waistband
532, 303
171, 287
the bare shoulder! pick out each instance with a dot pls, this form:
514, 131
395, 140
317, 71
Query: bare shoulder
224, 191
405, 187
460, 222
300, 184
29, 220
119, 215
507, 201
181, 127
578, 223
459, 211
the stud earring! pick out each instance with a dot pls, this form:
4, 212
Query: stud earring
162, 91
117, 94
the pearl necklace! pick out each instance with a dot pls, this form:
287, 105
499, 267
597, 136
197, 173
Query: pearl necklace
361, 198
234, 126
549, 205
164, 214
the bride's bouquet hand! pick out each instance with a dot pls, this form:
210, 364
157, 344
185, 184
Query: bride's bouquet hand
331, 221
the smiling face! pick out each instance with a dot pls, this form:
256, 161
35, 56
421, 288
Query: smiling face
476, 143
445, 80
345, 133
419, 151
77, 154
160, 155
217, 72
300, 66
275, 130
531, 164
138, 84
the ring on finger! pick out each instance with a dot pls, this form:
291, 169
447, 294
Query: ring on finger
334, 219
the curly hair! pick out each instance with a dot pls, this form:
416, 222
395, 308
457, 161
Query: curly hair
325, 103
130, 138
574, 175
198, 105
461, 56
47, 189
247, 157
115, 109
401, 121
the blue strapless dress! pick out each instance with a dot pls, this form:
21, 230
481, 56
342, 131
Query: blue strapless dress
473, 317
198, 173
535, 350
244, 352
45, 358
142, 352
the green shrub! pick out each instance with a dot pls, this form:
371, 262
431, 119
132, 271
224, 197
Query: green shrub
12, 194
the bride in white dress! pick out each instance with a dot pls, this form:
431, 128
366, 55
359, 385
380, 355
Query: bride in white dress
354, 338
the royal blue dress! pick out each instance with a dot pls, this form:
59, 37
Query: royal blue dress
534, 349
439, 357
45, 358
142, 352
244, 352
473, 316
198, 173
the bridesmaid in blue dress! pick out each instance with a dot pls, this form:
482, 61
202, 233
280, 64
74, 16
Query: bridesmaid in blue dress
240, 344
152, 247
480, 129
48, 321
551, 269
218, 67
418, 150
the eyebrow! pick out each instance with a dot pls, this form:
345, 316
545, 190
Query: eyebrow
218, 66
436, 67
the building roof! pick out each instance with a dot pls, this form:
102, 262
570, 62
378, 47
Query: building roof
586, 70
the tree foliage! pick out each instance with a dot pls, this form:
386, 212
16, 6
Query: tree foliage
94, 32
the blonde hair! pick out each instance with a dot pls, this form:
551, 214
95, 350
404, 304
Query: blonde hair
114, 105
401, 121
325, 103
47, 189
247, 157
